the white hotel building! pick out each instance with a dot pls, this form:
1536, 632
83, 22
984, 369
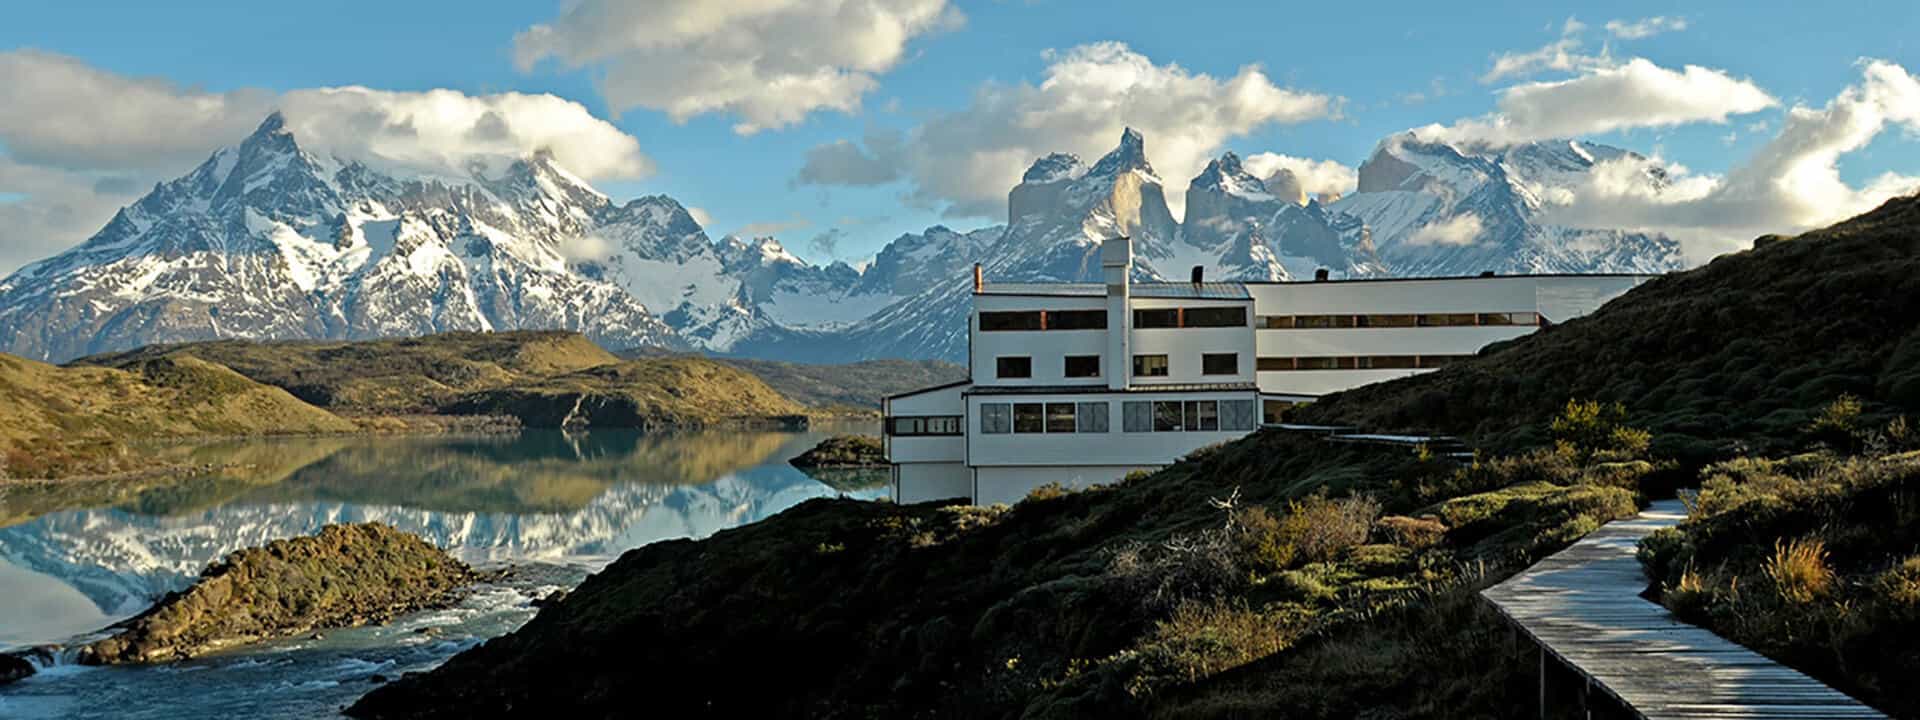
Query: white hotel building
1081, 383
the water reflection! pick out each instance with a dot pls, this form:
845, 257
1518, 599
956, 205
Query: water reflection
538, 496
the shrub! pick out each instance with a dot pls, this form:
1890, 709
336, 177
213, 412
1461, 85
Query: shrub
1415, 533
1314, 529
1589, 429
1799, 570
1899, 586
1838, 424
1049, 491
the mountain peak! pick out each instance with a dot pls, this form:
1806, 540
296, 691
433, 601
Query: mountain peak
1054, 168
1130, 155
274, 124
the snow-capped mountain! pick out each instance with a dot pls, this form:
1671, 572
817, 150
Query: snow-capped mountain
1439, 209
266, 240
1267, 229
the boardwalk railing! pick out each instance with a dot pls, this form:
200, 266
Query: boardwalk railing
1583, 607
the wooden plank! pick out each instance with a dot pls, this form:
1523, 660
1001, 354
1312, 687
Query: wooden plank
1583, 607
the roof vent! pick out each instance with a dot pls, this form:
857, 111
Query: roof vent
1486, 273
1320, 275
1199, 274
979, 279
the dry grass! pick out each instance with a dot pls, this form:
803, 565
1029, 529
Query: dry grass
1799, 570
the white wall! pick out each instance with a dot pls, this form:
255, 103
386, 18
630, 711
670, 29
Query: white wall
1114, 447
921, 449
931, 481
1010, 485
1184, 346
1565, 298
1048, 348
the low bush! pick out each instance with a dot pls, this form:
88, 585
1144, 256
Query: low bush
1416, 533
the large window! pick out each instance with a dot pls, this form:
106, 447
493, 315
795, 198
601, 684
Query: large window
1150, 366
1193, 317
1359, 362
1187, 415
1168, 416
1059, 417
1136, 416
1019, 366
1083, 366
996, 419
1274, 412
1029, 417
1003, 320
1093, 417
924, 425
1220, 364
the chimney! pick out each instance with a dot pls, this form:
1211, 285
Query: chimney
1199, 274
1320, 275
979, 279
1486, 273
1116, 264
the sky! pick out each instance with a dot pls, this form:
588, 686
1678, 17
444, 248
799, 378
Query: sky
837, 125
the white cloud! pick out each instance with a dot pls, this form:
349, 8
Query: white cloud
965, 161
1791, 183
1462, 229
1645, 27
1316, 177
79, 142
700, 215
767, 62
1563, 54
1634, 94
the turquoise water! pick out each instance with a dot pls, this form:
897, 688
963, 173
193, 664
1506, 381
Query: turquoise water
553, 506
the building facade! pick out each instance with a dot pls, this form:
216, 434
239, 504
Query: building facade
1082, 383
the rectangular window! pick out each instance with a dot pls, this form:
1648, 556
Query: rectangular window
1318, 322
996, 418
1270, 364
1149, 366
1362, 362
1236, 415
1158, 318
1000, 321
1525, 318
1316, 363
1447, 320
1083, 366
1013, 367
1388, 321
1093, 417
1202, 415
1220, 364
1168, 416
1198, 317
1029, 417
1076, 319
1276, 322
1274, 412
1388, 362
1136, 416
1059, 417
926, 425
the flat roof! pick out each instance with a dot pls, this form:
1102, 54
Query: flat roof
924, 390
1091, 389
1237, 289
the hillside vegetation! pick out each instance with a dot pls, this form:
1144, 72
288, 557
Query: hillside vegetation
57, 421
1275, 576
859, 384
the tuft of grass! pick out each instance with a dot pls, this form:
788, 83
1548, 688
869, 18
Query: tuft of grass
1799, 570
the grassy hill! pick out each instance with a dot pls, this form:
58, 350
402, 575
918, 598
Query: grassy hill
1273, 576
57, 421
659, 392
860, 384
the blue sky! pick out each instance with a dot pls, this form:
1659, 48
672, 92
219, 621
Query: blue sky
1386, 68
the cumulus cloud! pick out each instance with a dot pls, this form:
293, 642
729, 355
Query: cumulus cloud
1791, 183
1634, 94
1645, 27
1316, 177
1462, 229
767, 62
965, 161
700, 215
79, 142
1563, 54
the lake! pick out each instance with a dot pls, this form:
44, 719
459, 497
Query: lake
553, 506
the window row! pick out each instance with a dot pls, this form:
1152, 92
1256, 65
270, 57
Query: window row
924, 425
999, 321
1187, 415
1362, 362
1191, 317
1029, 418
1316, 322
1016, 367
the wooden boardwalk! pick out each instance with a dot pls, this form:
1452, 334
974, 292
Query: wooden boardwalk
1583, 606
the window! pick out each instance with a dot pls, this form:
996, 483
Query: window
1159, 318
1362, 362
1440, 361
1029, 417
1202, 415
999, 321
1076, 319
1013, 367
996, 418
1315, 322
1276, 322
1093, 417
1198, 317
1387, 362
927, 425
1388, 321
1059, 417
1150, 366
1220, 364
1316, 363
1236, 415
1136, 416
1274, 412
1083, 366
1447, 320
1289, 322
1168, 416
1269, 364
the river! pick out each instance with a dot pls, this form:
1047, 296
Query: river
555, 507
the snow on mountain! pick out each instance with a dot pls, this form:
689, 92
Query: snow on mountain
1241, 221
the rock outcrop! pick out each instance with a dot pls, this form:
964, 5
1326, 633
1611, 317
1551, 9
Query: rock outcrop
346, 575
